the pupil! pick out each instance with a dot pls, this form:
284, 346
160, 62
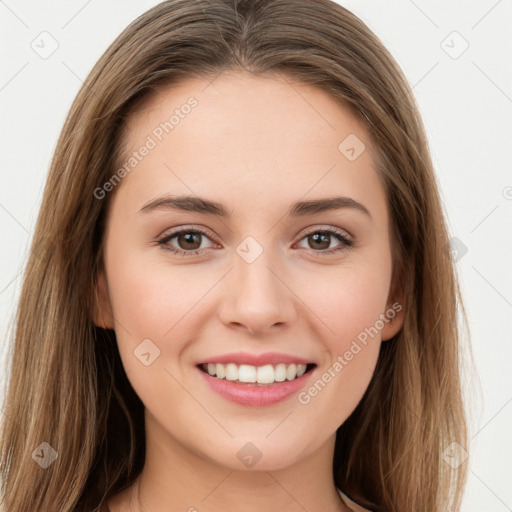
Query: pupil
190, 238
316, 238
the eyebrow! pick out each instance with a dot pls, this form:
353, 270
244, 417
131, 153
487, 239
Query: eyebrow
207, 207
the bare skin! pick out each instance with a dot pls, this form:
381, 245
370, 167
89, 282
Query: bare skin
257, 145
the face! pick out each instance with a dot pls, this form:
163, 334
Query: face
280, 256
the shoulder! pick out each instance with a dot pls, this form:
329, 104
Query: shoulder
351, 504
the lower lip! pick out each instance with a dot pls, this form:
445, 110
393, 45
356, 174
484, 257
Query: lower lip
253, 395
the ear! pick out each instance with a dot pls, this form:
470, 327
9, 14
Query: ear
395, 311
102, 309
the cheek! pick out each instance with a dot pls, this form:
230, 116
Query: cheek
150, 297
348, 300
349, 305
152, 301
141, 302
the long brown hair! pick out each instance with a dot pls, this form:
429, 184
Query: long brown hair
67, 385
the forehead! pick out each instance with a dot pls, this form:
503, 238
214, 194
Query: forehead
253, 107
263, 136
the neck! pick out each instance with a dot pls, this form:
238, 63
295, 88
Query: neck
175, 478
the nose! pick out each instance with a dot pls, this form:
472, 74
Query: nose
256, 296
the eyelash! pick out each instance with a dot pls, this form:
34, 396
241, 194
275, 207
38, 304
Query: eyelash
346, 242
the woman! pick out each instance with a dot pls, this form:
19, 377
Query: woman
240, 293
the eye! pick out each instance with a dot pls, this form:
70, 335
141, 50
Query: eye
321, 240
189, 242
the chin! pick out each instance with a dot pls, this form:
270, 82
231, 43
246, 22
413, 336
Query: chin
257, 454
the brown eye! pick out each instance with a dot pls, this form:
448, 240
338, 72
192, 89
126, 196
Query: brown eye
189, 240
320, 241
186, 242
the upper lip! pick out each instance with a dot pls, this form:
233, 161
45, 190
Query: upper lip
239, 358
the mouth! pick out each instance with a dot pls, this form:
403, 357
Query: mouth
265, 375
256, 380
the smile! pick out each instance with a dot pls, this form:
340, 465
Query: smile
256, 379
265, 375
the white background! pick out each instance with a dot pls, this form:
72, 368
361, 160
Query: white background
466, 104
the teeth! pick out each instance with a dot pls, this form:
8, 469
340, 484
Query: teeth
280, 372
267, 374
231, 372
220, 371
246, 373
291, 372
